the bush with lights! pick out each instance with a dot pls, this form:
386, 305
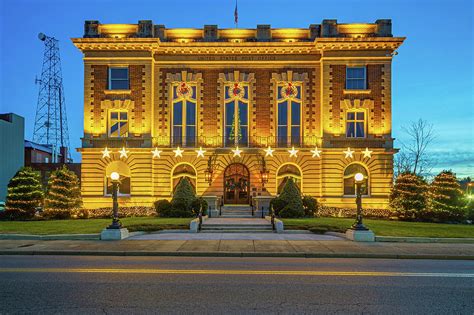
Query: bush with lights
25, 194
409, 197
63, 195
289, 203
447, 202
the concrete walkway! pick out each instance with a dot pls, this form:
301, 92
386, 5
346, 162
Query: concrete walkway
239, 248
237, 236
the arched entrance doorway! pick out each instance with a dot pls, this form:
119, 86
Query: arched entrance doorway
236, 184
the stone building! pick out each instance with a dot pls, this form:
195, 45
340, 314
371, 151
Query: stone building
237, 111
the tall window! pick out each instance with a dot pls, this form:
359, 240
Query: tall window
355, 124
289, 114
356, 78
118, 124
118, 79
236, 114
349, 181
184, 115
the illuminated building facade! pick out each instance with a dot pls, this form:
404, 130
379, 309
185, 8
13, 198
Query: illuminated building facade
237, 111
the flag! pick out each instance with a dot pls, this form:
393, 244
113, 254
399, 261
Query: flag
236, 14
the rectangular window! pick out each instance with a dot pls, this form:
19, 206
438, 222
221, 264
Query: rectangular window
243, 124
356, 78
178, 124
190, 124
118, 124
118, 79
289, 118
355, 125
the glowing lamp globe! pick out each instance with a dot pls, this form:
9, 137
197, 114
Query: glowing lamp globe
114, 176
359, 177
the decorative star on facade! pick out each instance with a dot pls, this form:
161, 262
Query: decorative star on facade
123, 153
156, 153
367, 153
200, 152
237, 151
178, 152
105, 153
293, 152
349, 153
316, 152
269, 151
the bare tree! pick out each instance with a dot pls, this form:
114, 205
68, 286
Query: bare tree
414, 156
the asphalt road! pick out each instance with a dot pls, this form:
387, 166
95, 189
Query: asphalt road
184, 285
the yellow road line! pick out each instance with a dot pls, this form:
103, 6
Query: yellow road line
240, 272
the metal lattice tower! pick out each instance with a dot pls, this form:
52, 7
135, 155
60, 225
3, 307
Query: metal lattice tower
51, 121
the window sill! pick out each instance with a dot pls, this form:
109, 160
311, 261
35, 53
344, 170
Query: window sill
112, 92
354, 196
347, 91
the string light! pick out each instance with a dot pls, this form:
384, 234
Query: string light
156, 153
269, 151
200, 152
316, 152
237, 151
178, 152
293, 152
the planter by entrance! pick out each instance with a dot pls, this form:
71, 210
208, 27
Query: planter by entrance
236, 184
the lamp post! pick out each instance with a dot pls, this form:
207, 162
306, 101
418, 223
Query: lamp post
358, 225
114, 176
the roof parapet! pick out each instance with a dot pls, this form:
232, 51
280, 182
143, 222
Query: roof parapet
263, 33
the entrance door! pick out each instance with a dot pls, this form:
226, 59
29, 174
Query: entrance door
236, 184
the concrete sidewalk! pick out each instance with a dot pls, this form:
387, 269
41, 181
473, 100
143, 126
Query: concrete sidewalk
239, 248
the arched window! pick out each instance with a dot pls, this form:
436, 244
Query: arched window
286, 172
289, 114
124, 171
349, 181
184, 170
184, 114
236, 122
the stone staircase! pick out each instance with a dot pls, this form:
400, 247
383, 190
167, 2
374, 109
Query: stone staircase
236, 225
236, 211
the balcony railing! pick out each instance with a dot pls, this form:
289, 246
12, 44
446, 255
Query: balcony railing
221, 142
196, 142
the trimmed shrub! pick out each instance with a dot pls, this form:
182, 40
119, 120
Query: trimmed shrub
409, 198
310, 206
184, 203
470, 210
163, 208
63, 195
277, 204
291, 198
446, 198
199, 203
25, 194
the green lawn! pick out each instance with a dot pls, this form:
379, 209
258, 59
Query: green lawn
91, 225
383, 227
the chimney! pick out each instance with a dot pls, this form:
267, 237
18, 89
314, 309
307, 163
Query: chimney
145, 28
210, 33
384, 28
91, 28
329, 28
264, 33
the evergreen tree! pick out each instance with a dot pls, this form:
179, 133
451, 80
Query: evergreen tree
446, 198
409, 199
183, 198
291, 197
63, 194
25, 194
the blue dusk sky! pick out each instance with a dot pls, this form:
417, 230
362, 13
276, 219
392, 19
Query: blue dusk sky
432, 74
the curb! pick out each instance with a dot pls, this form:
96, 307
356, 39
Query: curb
236, 254
400, 239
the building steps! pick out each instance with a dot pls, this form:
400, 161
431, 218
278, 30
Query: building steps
236, 211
